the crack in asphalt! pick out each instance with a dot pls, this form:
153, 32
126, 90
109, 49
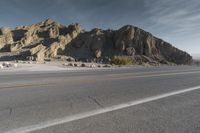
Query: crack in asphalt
96, 101
10, 111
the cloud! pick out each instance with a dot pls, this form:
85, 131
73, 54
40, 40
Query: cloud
176, 21
181, 16
172, 20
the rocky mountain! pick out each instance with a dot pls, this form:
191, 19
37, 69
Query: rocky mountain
52, 40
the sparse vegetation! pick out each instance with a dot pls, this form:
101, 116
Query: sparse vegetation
122, 60
197, 62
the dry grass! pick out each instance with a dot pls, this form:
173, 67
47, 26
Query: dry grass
122, 60
197, 62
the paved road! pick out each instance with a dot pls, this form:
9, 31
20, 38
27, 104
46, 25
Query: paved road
122, 100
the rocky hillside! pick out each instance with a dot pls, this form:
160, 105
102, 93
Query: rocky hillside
51, 40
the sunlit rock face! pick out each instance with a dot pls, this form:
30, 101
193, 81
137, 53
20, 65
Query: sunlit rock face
5, 37
49, 39
146, 44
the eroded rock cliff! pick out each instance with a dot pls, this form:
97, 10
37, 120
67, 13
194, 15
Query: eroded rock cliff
50, 39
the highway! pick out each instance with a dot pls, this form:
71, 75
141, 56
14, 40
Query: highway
120, 100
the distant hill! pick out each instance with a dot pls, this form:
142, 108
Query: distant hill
50, 40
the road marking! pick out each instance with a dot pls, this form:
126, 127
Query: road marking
152, 72
156, 75
93, 80
98, 111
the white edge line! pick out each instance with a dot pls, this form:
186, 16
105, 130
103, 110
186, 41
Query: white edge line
98, 112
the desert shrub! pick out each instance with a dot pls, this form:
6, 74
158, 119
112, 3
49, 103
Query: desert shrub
197, 62
122, 60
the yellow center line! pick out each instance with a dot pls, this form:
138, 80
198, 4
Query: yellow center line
167, 71
155, 75
91, 80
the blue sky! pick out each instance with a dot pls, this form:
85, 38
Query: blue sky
176, 21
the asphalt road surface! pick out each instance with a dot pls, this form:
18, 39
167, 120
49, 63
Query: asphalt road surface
121, 100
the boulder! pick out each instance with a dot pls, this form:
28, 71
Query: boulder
6, 64
1, 66
97, 53
83, 65
15, 65
130, 51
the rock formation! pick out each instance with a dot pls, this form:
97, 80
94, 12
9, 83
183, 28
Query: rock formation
50, 39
